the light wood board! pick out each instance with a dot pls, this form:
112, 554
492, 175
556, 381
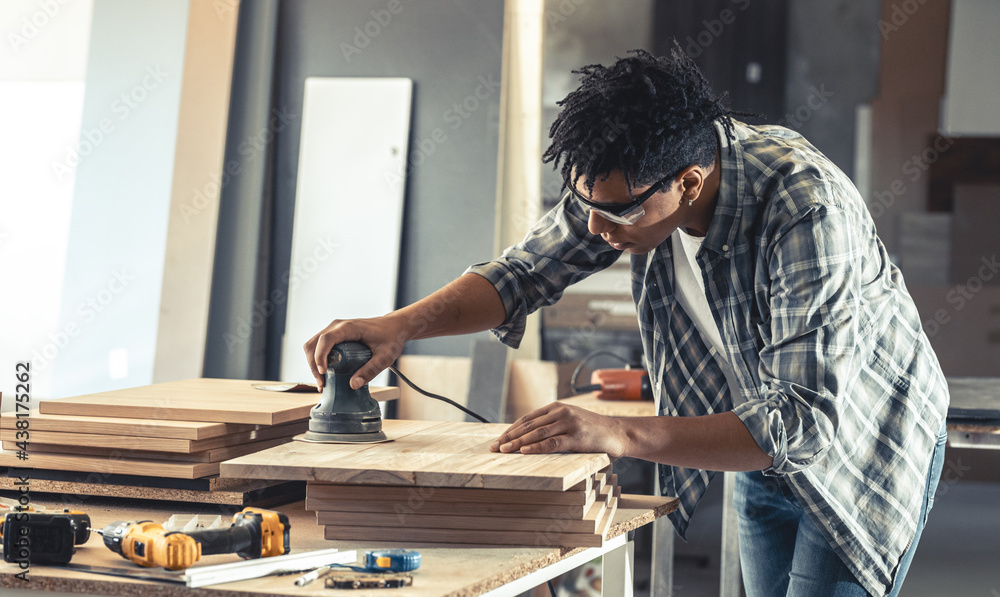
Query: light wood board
531, 519
423, 453
158, 444
214, 455
612, 408
581, 493
122, 466
250, 493
212, 400
125, 427
393, 509
550, 534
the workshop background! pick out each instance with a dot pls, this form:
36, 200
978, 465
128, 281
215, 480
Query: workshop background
152, 158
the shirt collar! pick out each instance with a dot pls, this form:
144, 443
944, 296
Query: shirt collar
722, 231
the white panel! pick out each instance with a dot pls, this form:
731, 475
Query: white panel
348, 207
973, 72
123, 168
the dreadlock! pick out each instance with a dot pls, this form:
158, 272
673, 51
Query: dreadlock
646, 116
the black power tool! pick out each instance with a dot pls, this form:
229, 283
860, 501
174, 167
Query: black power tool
345, 414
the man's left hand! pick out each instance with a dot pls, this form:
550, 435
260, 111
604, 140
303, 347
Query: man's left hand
563, 428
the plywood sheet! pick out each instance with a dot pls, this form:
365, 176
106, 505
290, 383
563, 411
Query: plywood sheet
393, 509
100, 464
121, 426
566, 519
612, 408
547, 535
214, 455
250, 493
213, 400
158, 444
422, 454
578, 494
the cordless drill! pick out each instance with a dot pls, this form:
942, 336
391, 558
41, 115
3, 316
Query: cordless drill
255, 533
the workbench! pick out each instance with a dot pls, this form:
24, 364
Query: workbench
445, 570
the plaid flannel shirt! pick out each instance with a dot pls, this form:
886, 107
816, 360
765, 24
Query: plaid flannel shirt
838, 382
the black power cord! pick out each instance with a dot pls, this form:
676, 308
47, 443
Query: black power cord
435, 396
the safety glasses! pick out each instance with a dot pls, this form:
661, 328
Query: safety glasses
625, 214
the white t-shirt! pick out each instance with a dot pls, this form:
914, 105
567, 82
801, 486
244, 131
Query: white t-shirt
689, 287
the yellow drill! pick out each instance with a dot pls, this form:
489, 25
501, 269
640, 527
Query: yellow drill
255, 533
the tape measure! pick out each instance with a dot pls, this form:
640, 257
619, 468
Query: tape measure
392, 560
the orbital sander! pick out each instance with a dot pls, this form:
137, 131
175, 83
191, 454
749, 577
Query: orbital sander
345, 414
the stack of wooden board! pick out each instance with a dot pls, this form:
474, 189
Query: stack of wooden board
439, 483
578, 517
174, 430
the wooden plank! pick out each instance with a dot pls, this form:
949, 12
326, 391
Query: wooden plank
539, 537
100, 464
578, 494
212, 400
422, 454
158, 444
250, 493
397, 508
126, 427
214, 455
565, 522
612, 408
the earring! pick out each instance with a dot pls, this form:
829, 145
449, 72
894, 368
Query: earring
690, 201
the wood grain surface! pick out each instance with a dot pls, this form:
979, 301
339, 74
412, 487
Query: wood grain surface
125, 427
213, 455
581, 493
422, 453
117, 466
567, 519
211, 400
550, 534
612, 408
158, 444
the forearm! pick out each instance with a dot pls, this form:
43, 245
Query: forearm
719, 442
466, 305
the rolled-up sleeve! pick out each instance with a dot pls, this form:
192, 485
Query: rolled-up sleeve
557, 252
807, 365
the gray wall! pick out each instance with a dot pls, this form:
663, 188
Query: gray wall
833, 59
449, 48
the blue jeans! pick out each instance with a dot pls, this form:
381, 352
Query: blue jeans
782, 553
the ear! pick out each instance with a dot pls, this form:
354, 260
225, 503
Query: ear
691, 180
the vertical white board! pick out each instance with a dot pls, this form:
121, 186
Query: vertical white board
348, 207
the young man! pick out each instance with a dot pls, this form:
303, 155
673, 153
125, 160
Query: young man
778, 337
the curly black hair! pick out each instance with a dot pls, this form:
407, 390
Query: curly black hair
647, 116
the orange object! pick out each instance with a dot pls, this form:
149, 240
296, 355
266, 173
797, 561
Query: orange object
622, 384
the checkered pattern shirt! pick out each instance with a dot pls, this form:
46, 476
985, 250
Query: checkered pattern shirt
837, 380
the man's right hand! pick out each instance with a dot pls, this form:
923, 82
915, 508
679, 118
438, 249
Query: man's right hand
385, 336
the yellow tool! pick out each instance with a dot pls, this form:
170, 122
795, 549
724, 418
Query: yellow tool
255, 533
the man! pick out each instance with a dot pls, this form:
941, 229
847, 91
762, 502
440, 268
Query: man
779, 339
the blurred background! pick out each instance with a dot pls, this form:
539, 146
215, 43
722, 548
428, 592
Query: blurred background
156, 188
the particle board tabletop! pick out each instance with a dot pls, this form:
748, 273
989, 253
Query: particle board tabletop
452, 571
422, 453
